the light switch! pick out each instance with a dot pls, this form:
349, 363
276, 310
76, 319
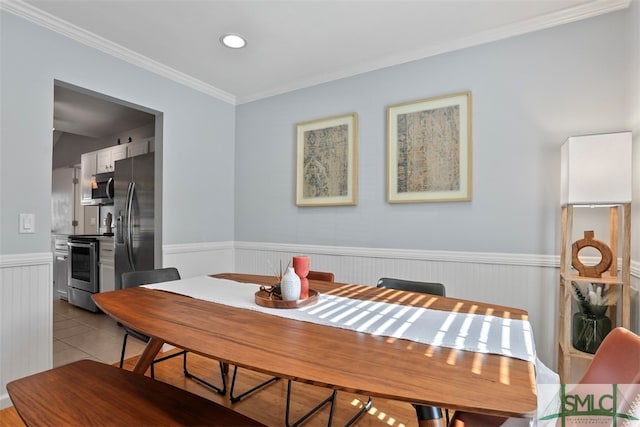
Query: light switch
27, 223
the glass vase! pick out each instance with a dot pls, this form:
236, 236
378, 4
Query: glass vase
590, 328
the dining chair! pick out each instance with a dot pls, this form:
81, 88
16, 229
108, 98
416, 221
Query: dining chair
313, 275
145, 277
324, 276
617, 361
428, 416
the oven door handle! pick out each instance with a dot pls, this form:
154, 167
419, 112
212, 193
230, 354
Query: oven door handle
80, 245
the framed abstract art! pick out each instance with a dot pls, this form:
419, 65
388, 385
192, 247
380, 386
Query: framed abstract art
327, 162
429, 150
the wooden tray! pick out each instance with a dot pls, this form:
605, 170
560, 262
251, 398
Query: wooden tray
262, 298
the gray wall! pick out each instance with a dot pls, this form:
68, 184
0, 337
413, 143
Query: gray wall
69, 147
198, 136
529, 94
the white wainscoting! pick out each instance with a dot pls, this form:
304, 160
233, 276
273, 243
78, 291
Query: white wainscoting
26, 324
529, 282
199, 258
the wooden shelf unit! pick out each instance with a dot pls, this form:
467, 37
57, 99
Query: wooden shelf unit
617, 277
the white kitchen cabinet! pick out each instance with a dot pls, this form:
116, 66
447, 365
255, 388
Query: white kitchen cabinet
108, 156
103, 161
60, 266
137, 148
88, 169
106, 265
118, 152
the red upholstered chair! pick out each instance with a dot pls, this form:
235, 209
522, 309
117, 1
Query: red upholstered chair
617, 361
468, 419
320, 275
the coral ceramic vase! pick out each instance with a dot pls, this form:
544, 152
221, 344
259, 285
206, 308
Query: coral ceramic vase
301, 267
290, 285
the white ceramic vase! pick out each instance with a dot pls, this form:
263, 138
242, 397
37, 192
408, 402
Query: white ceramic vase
290, 286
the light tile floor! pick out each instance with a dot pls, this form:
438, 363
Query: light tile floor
80, 334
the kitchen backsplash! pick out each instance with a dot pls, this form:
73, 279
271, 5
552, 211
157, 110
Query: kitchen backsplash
104, 211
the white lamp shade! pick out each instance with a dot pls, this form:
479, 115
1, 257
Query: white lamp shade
596, 169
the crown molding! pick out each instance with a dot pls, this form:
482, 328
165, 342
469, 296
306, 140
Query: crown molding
44, 19
67, 29
566, 16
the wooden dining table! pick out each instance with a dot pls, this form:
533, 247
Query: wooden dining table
341, 359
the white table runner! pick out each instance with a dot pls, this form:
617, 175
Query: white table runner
465, 331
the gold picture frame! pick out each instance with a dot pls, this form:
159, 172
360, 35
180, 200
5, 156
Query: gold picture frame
429, 150
327, 161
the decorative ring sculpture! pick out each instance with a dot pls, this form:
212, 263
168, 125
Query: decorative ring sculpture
590, 270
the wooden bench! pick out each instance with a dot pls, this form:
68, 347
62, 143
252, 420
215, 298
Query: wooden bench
88, 393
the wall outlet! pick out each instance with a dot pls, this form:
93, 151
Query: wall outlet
27, 223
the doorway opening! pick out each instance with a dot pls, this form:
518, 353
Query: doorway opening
92, 132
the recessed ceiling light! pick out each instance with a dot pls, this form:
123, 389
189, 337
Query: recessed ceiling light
233, 41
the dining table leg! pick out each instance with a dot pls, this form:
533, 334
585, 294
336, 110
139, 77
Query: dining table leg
148, 354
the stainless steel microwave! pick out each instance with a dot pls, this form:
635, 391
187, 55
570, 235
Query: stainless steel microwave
102, 188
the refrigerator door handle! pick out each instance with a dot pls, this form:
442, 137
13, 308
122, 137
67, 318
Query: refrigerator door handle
129, 228
119, 230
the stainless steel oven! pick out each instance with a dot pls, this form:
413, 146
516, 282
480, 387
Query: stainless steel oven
84, 279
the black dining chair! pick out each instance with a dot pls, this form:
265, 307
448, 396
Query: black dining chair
427, 415
313, 275
331, 399
146, 277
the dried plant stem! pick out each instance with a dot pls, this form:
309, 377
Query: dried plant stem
581, 299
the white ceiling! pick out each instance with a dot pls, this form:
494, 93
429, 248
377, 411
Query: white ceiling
292, 44
82, 113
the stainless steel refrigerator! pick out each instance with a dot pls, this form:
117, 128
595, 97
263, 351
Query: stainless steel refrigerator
134, 215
